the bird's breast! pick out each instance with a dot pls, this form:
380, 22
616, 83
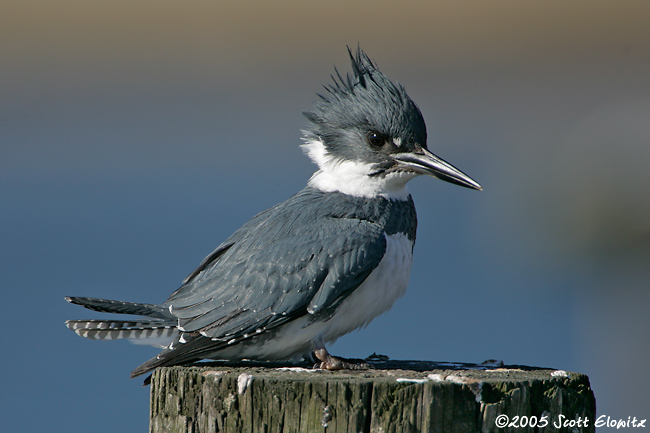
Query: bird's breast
374, 296
378, 292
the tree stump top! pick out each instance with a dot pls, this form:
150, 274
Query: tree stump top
394, 396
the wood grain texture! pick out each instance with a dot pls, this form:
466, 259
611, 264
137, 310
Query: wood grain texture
395, 397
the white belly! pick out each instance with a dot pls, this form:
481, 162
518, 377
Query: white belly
374, 296
378, 292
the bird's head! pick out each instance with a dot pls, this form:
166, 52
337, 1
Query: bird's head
368, 137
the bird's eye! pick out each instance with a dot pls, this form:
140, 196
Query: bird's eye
376, 139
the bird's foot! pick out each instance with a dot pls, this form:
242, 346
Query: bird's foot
329, 362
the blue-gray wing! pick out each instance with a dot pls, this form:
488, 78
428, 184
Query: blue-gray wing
284, 263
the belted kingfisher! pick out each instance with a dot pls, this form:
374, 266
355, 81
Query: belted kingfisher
317, 266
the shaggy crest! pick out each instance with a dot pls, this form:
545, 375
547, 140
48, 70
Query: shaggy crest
362, 102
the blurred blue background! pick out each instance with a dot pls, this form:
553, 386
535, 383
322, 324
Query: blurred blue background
135, 137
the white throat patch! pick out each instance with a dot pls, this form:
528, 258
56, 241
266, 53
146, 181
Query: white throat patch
352, 177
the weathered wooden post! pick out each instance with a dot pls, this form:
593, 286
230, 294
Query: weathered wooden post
397, 396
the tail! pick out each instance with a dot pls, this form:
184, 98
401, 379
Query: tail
159, 329
120, 307
157, 333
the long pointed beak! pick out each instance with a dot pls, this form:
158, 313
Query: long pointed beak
425, 162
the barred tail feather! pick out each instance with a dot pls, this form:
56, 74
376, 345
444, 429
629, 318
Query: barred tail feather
158, 333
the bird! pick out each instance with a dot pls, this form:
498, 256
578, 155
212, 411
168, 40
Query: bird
322, 263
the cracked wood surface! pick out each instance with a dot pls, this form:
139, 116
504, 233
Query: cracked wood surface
395, 396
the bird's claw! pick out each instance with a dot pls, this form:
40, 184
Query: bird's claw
329, 362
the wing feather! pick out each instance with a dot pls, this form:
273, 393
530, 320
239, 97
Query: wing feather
301, 257
294, 262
